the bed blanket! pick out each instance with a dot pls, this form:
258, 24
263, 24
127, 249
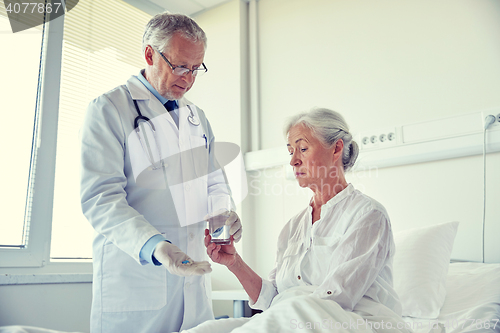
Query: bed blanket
297, 309
27, 329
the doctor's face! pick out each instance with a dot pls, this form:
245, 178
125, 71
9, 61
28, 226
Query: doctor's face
181, 52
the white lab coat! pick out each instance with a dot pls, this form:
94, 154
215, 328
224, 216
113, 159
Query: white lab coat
128, 294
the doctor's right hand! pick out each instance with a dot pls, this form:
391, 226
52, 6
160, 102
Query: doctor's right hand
179, 263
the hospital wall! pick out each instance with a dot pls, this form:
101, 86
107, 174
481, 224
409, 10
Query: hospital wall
64, 306
379, 63
57, 305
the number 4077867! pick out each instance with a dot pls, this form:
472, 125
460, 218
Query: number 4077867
32, 8
479, 323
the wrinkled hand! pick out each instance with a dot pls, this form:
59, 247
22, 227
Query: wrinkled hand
221, 254
172, 258
235, 230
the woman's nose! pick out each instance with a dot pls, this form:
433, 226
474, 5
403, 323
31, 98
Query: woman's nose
294, 161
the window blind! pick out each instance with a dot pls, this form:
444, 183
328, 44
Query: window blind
102, 48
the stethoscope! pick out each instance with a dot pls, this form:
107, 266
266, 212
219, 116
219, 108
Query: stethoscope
138, 125
192, 118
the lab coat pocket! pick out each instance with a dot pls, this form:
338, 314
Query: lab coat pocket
199, 152
128, 286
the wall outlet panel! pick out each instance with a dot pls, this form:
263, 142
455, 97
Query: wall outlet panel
496, 114
433, 140
381, 138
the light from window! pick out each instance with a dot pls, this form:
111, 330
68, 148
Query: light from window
19, 63
101, 50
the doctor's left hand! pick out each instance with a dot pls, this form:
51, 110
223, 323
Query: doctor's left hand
235, 228
179, 263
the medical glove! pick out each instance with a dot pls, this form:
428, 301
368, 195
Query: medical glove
234, 221
179, 263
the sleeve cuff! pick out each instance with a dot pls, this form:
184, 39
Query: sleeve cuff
267, 293
149, 248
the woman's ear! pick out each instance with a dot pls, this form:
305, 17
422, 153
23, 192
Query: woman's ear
337, 152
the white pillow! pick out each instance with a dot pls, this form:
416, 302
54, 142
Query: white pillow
420, 268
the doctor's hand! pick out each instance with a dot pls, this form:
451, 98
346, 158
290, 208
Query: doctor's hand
235, 226
221, 254
179, 263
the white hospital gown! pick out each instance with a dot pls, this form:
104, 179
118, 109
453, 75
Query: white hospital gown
333, 276
347, 254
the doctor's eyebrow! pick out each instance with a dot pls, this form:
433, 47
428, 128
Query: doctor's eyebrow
185, 65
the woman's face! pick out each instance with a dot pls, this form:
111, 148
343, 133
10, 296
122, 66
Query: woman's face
314, 165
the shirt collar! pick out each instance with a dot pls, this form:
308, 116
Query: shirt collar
338, 197
148, 85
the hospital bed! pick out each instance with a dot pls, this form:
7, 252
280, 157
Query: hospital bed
438, 296
472, 302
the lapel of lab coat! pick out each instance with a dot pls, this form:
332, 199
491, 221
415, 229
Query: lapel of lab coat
189, 190
139, 92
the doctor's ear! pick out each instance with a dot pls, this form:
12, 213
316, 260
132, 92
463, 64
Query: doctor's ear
148, 55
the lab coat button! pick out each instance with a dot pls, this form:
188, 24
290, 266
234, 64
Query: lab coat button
187, 284
191, 235
186, 187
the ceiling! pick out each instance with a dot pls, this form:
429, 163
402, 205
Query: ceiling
187, 7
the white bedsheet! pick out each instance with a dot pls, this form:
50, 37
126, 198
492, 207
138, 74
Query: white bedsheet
473, 293
27, 329
297, 310
472, 301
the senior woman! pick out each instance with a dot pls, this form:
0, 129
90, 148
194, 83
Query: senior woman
335, 256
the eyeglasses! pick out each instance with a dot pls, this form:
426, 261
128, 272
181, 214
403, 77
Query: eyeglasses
183, 71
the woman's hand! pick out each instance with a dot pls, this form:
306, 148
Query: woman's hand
226, 255
221, 254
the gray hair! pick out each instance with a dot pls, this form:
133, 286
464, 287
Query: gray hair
163, 26
328, 126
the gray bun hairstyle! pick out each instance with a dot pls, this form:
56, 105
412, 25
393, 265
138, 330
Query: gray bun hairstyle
163, 26
328, 126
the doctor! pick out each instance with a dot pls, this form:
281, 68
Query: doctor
147, 169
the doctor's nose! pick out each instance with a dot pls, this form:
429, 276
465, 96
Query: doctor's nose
189, 77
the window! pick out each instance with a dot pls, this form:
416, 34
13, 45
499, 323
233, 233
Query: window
99, 50
27, 94
102, 48
19, 63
